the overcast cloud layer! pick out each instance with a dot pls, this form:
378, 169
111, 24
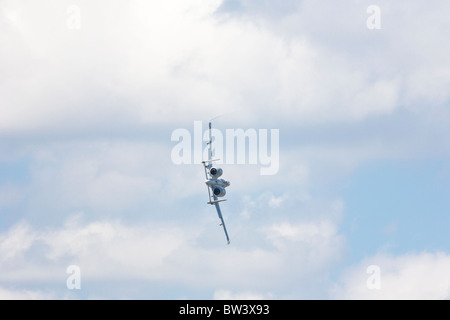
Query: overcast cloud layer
90, 93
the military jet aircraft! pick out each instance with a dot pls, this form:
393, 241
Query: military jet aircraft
214, 184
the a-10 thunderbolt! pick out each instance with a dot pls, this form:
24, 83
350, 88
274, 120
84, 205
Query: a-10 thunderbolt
216, 187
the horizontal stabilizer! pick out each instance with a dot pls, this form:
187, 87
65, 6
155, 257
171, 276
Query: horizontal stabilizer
215, 201
207, 161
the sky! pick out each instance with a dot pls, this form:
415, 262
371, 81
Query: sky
93, 205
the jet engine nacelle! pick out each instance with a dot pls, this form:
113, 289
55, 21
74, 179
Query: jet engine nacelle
215, 172
219, 192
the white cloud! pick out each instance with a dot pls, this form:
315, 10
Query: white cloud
16, 241
112, 250
153, 252
228, 295
17, 294
145, 63
101, 175
406, 276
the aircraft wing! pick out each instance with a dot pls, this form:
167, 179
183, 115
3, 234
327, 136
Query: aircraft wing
219, 213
